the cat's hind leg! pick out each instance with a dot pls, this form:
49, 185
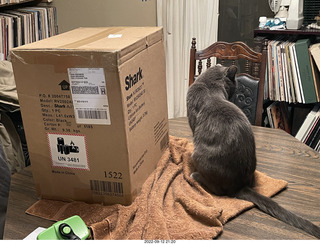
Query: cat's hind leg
206, 184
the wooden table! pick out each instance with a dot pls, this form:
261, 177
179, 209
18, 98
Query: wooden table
279, 155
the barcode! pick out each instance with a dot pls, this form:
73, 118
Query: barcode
164, 141
106, 188
92, 114
85, 90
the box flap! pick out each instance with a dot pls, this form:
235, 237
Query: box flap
124, 40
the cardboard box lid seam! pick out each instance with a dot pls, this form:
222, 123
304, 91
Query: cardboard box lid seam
98, 42
91, 42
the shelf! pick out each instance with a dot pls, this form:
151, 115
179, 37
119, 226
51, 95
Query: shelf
309, 32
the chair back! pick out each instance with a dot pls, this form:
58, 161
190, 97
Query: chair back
251, 79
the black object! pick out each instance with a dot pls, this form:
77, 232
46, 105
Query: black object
66, 149
66, 232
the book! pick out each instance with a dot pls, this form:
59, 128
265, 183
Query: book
286, 82
270, 63
293, 66
311, 127
280, 117
295, 73
277, 94
2, 40
285, 116
16, 21
280, 72
315, 52
303, 60
7, 37
299, 114
307, 124
313, 131
316, 76
316, 137
270, 119
290, 75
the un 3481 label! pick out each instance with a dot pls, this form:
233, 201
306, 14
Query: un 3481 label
68, 151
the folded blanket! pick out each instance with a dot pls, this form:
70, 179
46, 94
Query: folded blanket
171, 205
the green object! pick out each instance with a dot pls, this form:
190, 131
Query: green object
72, 228
304, 65
66, 230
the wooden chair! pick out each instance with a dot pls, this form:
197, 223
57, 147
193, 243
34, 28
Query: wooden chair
250, 93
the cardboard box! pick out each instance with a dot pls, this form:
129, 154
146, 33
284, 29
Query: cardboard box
94, 109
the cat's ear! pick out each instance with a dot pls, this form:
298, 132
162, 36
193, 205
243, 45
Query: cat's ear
231, 72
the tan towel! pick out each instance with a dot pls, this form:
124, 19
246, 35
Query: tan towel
171, 204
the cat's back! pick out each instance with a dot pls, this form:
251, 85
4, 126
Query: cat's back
221, 122
222, 113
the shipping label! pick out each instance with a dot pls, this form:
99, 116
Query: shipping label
89, 95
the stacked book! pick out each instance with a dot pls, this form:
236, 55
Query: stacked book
278, 116
309, 132
292, 73
25, 25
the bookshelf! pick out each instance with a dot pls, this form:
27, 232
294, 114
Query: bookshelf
287, 88
23, 22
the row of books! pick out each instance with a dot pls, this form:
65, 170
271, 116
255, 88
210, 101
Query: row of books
25, 25
292, 74
309, 132
278, 116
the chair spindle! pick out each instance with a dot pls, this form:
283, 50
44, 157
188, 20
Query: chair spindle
200, 67
208, 63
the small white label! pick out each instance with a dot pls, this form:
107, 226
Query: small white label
68, 151
89, 95
115, 36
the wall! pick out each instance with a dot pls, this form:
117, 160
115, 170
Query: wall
236, 21
95, 13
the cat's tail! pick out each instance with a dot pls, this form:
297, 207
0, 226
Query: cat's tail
272, 208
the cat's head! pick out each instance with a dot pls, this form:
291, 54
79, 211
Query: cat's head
220, 76
231, 83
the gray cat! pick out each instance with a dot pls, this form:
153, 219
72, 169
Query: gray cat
224, 154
